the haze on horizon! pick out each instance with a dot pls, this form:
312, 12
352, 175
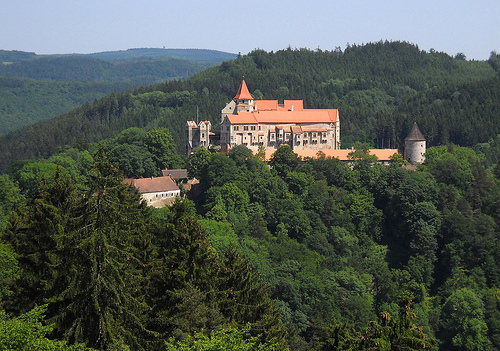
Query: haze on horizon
59, 26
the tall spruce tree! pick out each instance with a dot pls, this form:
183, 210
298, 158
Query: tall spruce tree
32, 233
105, 256
83, 251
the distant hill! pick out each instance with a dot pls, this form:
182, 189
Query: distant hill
35, 87
196, 55
7, 56
379, 88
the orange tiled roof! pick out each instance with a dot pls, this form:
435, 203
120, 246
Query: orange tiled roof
243, 93
272, 105
341, 154
242, 118
304, 116
154, 185
295, 105
317, 130
261, 105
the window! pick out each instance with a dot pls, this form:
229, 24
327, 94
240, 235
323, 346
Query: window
236, 128
260, 127
305, 135
202, 135
245, 128
314, 135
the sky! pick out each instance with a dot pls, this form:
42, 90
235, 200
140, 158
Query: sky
471, 27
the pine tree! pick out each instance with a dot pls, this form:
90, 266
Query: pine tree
104, 252
32, 232
246, 300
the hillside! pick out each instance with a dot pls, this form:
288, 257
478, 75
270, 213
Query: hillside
371, 85
35, 87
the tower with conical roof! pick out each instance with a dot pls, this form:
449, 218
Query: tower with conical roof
242, 102
415, 145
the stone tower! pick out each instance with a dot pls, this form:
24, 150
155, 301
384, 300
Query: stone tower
415, 146
197, 135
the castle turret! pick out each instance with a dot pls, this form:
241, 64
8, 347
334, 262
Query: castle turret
243, 99
197, 135
415, 145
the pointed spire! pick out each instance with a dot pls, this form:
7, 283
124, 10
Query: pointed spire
243, 93
415, 134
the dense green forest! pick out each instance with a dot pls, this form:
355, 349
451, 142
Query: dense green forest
306, 255
36, 87
378, 89
311, 254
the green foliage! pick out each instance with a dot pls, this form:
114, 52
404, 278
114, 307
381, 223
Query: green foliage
380, 89
9, 271
27, 332
10, 199
463, 322
230, 338
198, 161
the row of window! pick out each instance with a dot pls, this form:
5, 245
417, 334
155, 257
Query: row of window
237, 128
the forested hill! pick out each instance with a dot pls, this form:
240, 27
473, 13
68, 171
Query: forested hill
196, 55
35, 87
377, 88
133, 65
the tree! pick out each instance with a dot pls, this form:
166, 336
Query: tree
227, 339
399, 333
32, 233
198, 161
104, 254
82, 251
463, 326
284, 160
9, 271
10, 199
28, 332
160, 143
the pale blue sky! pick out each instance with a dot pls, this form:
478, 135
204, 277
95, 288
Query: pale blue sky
86, 26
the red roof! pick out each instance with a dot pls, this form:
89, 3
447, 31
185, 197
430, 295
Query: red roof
262, 105
341, 154
281, 116
154, 185
243, 93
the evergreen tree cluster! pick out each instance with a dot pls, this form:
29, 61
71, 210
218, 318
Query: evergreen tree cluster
115, 274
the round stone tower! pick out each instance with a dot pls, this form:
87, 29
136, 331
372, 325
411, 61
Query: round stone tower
415, 145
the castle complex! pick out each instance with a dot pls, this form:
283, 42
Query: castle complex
268, 124
254, 123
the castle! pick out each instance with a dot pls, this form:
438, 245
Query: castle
267, 124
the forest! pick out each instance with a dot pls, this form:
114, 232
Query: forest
36, 87
312, 254
379, 89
